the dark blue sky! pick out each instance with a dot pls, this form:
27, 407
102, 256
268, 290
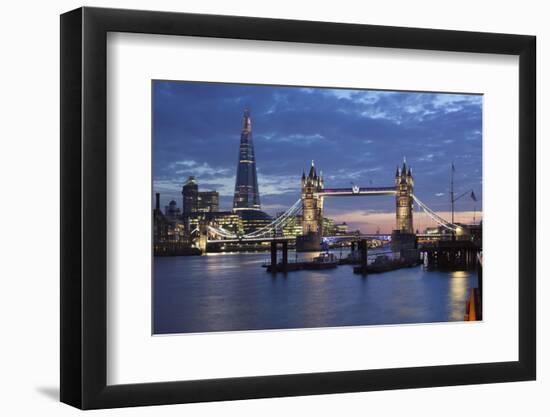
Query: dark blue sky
354, 136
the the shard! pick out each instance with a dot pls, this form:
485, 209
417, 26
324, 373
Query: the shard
247, 196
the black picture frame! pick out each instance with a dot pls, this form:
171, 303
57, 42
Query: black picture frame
84, 207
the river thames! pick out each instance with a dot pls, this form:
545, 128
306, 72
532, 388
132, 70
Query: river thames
225, 292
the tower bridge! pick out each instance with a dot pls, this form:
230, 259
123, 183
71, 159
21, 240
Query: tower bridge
314, 193
311, 205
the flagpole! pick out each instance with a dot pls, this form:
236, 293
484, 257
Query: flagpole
452, 194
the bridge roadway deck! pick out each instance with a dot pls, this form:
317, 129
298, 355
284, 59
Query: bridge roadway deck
254, 240
288, 239
381, 236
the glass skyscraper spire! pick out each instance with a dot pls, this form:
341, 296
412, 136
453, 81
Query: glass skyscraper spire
247, 196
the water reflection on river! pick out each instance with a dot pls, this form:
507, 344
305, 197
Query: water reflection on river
221, 292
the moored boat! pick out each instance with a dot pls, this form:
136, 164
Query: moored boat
324, 260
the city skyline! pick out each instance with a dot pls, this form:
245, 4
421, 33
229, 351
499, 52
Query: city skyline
354, 136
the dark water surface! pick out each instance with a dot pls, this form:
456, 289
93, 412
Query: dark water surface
221, 292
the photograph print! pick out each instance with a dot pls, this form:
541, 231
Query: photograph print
291, 207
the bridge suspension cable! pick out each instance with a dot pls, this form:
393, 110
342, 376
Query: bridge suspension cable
278, 222
437, 218
220, 231
270, 228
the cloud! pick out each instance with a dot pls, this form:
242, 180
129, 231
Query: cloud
277, 184
296, 138
196, 169
456, 102
353, 174
426, 158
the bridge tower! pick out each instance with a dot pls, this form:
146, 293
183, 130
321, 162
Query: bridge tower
312, 211
403, 202
203, 235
